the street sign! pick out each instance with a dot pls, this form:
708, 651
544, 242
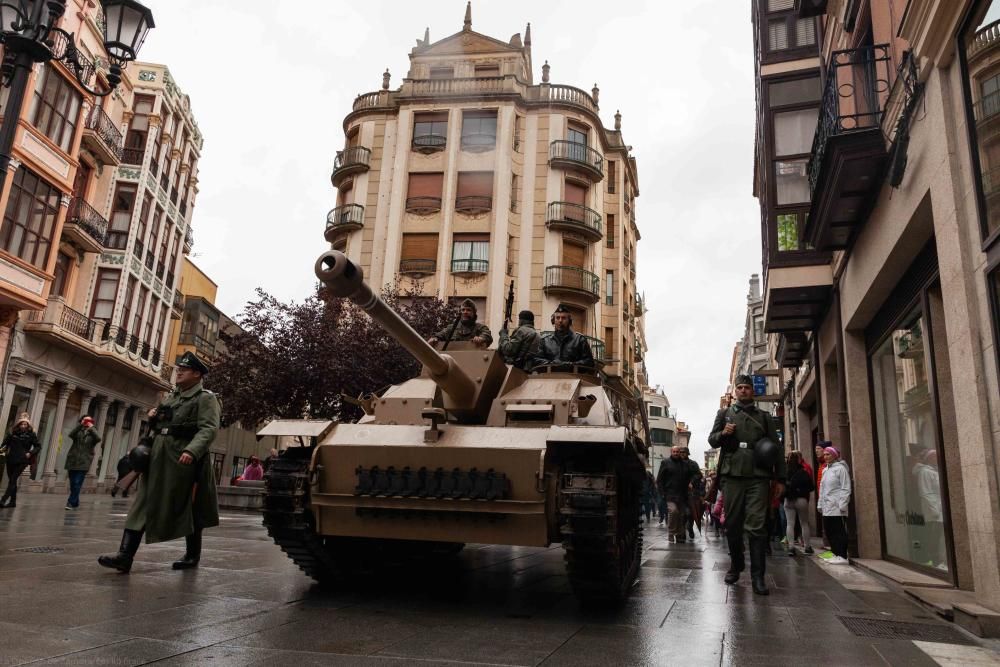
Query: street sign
759, 385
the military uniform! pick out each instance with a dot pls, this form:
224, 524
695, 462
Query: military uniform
745, 485
565, 348
520, 347
165, 507
466, 332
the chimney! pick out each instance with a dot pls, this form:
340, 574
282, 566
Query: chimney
754, 288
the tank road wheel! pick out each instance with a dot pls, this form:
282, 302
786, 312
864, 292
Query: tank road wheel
602, 534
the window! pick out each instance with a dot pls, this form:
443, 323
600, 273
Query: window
758, 331
610, 231
30, 218
430, 131
577, 133
141, 224
611, 176
154, 237
655, 411
423, 193
160, 327
515, 192
793, 136
442, 72
121, 215
661, 436
55, 108
609, 288
129, 296
105, 291
418, 253
518, 132
479, 130
474, 192
785, 30
64, 264
789, 231
487, 70
795, 91
609, 342
140, 308
575, 194
470, 253
138, 130
200, 326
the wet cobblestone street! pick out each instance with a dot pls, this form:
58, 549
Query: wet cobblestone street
248, 604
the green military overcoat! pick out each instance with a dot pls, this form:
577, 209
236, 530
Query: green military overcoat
520, 347
175, 499
466, 332
752, 424
81, 452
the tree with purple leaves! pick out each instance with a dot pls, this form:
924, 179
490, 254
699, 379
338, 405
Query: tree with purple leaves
294, 360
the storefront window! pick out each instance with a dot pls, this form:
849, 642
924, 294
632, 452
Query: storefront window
907, 447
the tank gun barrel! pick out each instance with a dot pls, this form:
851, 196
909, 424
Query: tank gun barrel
346, 279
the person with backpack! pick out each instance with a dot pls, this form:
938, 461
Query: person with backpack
797, 490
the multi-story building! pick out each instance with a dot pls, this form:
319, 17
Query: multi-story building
751, 356
875, 172
128, 182
661, 425
471, 175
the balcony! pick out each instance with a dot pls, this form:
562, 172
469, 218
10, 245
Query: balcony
423, 205
792, 349
350, 161
111, 347
474, 204
849, 150
429, 143
596, 345
188, 240
796, 297
417, 268
132, 156
177, 306
85, 227
577, 157
574, 282
469, 267
575, 218
344, 219
204, 347
102, 138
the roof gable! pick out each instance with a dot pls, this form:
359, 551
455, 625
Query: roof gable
465, 42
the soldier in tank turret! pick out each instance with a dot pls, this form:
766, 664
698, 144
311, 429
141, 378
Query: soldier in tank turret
563, 345
467, 329
520, 347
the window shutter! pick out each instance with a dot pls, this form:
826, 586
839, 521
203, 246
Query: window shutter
573, 255
576, 194
475, 183
419, 246
780, 5
777, 35
425, 185
805, 32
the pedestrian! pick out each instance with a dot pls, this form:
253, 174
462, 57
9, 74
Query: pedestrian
84, 439
253, 472
696, 495
673, 481
124, 467
521, 347
797, 491
648, 500
719, 514
834, 494
177, 495
820, 467
750, 459
21, 446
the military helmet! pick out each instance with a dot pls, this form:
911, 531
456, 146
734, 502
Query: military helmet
138, 458
766, 453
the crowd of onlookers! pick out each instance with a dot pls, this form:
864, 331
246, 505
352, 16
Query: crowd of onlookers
682, 497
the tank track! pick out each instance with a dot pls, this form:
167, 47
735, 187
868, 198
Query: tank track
602, 534
288, 520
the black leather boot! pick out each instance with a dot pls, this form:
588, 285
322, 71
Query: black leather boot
758, 565
736, 561
122, 561
192, 554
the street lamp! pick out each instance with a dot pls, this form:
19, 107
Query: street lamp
29, 36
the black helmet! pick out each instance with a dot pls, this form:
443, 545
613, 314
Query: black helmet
138, 458
766, 454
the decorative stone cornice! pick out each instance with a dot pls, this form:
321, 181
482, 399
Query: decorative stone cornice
13, 165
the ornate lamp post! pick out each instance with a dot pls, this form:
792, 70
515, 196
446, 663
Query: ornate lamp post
29, 36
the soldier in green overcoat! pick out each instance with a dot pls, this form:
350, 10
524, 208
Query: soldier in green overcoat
740, 430
521, 347
177, 496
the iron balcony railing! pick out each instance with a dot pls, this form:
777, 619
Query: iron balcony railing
132, 156
596, 345
105, 128
419, 267
429, 143
857, 86
77, 323
574, 214
572, 277
470, 265
178, 301
133, 344
351, 159
423, 205
577, 153
345, 216
474, 204
86, 217
205, 346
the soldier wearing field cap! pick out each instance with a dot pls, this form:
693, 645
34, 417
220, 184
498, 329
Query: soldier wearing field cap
177, 496
750, 459
467, 328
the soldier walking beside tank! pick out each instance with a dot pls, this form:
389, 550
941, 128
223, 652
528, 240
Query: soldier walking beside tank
564, 346
519, 348
176, 497
749, 460
465, 329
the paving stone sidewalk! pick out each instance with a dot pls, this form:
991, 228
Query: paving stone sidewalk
247, 605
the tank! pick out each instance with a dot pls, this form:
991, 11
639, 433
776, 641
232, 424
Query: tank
470, 451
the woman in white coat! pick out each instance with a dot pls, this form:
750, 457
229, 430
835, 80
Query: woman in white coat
834, 494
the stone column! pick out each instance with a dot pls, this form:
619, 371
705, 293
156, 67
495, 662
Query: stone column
111, 449
42, 386
99, 422
14, 374
51, 451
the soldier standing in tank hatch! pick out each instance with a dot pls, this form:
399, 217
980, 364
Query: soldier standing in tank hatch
564, 346
465, 329
520, 347
176, 496
749, 460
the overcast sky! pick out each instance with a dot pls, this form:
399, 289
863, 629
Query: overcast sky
270, 84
